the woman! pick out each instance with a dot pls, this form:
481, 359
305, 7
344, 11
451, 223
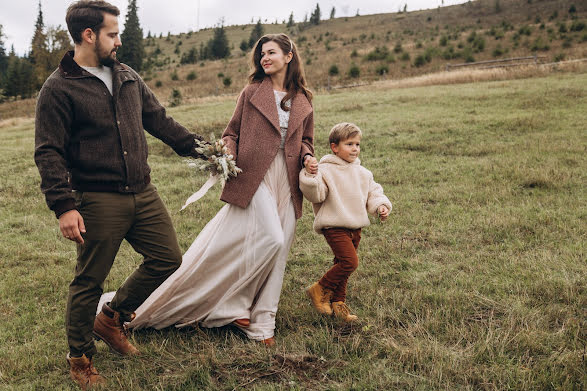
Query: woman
233, 271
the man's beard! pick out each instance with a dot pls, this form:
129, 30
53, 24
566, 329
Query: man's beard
106, 61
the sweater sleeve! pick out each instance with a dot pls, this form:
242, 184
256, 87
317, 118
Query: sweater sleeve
232, 132
53, 121
313, 186
376, 198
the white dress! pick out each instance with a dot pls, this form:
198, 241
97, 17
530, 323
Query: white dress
234, 268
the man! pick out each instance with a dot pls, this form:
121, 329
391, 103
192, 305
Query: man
91, 152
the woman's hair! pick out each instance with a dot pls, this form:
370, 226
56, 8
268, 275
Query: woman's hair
343, 131
295, 80
85, 14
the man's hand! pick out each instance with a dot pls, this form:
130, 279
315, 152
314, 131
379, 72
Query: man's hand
72, 226
311, 165
383, 212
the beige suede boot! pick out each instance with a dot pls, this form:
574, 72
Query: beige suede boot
343, 312
320, 297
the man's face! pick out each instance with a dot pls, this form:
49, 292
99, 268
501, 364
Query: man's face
108, 41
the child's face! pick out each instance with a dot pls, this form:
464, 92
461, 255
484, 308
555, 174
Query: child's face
348, 149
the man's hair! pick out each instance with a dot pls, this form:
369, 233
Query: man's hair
85, 14
343, 131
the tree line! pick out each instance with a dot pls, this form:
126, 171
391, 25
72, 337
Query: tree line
22, 77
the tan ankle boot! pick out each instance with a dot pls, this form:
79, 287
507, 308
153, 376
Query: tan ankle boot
110, 328
320, 297
82, 372
343, 312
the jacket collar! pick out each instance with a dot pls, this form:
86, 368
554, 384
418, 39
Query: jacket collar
264, 101
70, 69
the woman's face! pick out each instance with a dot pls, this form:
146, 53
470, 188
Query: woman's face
273, 60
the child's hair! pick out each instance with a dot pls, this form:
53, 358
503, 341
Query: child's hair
295, 79
343, 131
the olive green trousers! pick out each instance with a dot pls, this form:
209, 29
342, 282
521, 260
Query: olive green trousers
144, 222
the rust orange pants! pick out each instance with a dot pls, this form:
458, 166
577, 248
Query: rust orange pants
344, 243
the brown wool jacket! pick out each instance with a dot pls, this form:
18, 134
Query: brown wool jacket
253, 136
89, 140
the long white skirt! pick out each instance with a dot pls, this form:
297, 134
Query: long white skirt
234, 268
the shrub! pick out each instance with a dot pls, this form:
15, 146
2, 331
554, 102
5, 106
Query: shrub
158, 83
562, 27
540, 44
398, 48
468, 55
419, 61
405, 56
192, 75
443, 40
227, 81
382, 70
498, 51
577, 25
559, 57
354, 53
174, 76
567, 43
525, 30
175, 99
333, 71
354, 71
379, 53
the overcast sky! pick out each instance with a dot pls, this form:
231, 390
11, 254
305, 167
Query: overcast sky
160, 16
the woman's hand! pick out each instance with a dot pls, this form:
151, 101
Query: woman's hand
311, 165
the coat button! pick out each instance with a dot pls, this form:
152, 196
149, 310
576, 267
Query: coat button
118, 122
125, 153
126, 187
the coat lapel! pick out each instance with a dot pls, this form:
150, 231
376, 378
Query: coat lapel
300, 109
264, 100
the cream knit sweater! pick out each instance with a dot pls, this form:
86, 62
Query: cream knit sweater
342, 194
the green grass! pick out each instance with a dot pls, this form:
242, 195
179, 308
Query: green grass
476, 282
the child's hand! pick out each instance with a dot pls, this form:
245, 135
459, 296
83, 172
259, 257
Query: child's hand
311, 165
383, 212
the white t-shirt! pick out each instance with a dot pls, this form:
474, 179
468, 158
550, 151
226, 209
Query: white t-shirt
103, 73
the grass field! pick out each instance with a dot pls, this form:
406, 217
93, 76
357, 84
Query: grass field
476, 282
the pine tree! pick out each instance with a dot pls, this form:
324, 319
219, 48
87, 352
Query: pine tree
257, 33
332, 12
132, 50
3, 59
19, 77
290, 22
316, 15
39, 55
218, 46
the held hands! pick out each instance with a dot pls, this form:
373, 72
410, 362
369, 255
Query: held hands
72, 226
311, 165
383, 212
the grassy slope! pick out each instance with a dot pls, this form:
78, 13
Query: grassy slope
477, 281
333, 41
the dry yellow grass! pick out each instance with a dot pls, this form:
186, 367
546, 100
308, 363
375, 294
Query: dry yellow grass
479, 75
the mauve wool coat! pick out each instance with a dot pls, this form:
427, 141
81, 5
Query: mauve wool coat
253, 136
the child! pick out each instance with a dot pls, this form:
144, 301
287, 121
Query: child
342, 193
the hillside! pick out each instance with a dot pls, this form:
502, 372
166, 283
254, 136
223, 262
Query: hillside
382, 47
399, 44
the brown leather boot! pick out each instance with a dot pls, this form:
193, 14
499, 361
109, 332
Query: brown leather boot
110, 328
320, 297
82, 372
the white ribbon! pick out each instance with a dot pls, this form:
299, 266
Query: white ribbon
203, 190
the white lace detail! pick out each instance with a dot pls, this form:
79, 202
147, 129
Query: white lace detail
283, 115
